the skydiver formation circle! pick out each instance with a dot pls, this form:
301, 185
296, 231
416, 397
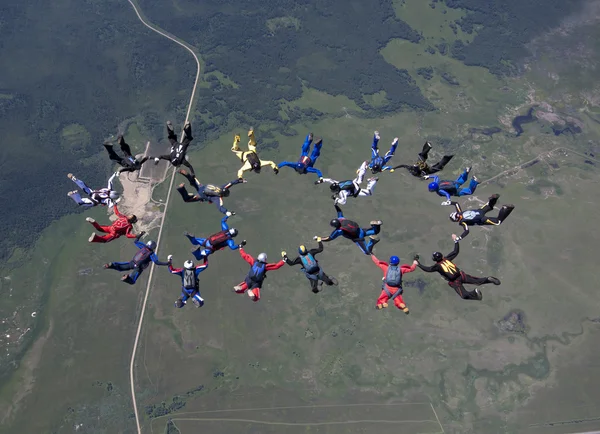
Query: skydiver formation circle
364, 238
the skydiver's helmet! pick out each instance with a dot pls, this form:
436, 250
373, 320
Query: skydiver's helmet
233, 232
394, 260
433, 186
302, 250
113, 195
335, 187
437, 256
132, 218
225, 192
335, 223
454, 216
188, 265
151, 245
262, 257
377, 165
255, 166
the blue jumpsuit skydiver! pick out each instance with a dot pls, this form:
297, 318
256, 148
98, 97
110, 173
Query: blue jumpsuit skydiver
378, 163
452, 188
305, 164
217, 241
189, 282
138, 263
352, 231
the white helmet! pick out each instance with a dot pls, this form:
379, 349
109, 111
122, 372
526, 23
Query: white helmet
262, 257
454, 217
113, 195
188, 265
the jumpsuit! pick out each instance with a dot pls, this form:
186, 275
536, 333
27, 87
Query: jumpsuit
354, 190
305, 163
120, 227
253, 286
243, 155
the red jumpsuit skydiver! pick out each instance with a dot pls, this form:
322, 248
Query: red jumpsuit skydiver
121, 226
256, 276
385, 295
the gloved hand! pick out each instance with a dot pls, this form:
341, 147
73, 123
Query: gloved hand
204, 253
426, 177
170, 258
319, 181
456, 238
392, 170
317, 238
243, 181
284, 254
243, 243
229, 213
276, 170
416, 257
446, 203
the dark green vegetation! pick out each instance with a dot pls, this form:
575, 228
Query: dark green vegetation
73, 74
298, 361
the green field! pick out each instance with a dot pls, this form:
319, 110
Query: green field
330, 362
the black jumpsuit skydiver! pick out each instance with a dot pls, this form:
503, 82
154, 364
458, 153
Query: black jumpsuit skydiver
421, 168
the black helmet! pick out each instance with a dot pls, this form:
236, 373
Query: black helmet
256, 167
335, 223
226, 192
437, 256
335, 187
376, 168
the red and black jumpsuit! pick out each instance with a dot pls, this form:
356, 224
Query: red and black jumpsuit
120, 227
253, 286
385, 295
456, 277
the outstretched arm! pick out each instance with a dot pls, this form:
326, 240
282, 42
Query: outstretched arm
381, 264
286, 163
200, 268
232, 245
340, 214
117, 213
333, 235
457, 206
224, 225
465, 232
294, 262
318, 249
450, 256
175, 270
269, 163
155, 259
128, 233
426, 268
405, 268
315, 170
330, 181
275, 266
444, 193
246, 257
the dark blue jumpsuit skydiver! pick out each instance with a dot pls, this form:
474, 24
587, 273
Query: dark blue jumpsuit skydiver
190, 287
305, 163
206, 193
352, 231
217, 241
447, 188
310, 266
138, 263
378, 163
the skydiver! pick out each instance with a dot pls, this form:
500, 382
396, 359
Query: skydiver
421, 169
217, 241
129, 163
253, 282
305, 163
190, 285
250, 159
103, 196
452, 188
310, 266
178, 155
477, 217
206, 193
455, 276
352, 231
138, 263
378, 163
391, 285
122, 226
351, 188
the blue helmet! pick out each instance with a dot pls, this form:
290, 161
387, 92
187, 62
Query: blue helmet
394, 260
433, 186
300, 166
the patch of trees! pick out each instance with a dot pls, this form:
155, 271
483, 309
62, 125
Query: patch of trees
503, 29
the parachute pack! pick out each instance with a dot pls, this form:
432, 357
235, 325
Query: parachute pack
213, 190
393, 277
309, 263
216, 240
190, 281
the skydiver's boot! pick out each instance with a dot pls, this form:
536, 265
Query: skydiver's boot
494, 280
425, 152
179, 303
492, 200
376, 222
403, 308
251, 138
374, 240
127, 279
505, 212
379, 306
237, 288
108, 266
479, 294
198, 303
384, 305
120, 140
170, 130
236, 143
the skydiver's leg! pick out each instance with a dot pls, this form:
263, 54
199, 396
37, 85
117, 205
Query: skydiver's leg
341, 197
133, 276
467, 278
425, 152
491, 221
470, 189
124, 146
306, 146
505, 212
399, 303
389, 154
314, 284
190, 178
256, 291
241, 288
198, 300
102, 239
364, 247
112, 154
187, 197
360, 174
373, 230
370, 186
370, 244
82, 185
100, 228
375, 145
325, 278
196, 241
382, 301
186, 163
251, 140
85, 202
461, 179
457, 284
316, 152
439, 165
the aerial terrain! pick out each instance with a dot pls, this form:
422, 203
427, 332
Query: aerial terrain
510, 88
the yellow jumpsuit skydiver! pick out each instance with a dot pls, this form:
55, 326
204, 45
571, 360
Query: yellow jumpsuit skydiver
246, 158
